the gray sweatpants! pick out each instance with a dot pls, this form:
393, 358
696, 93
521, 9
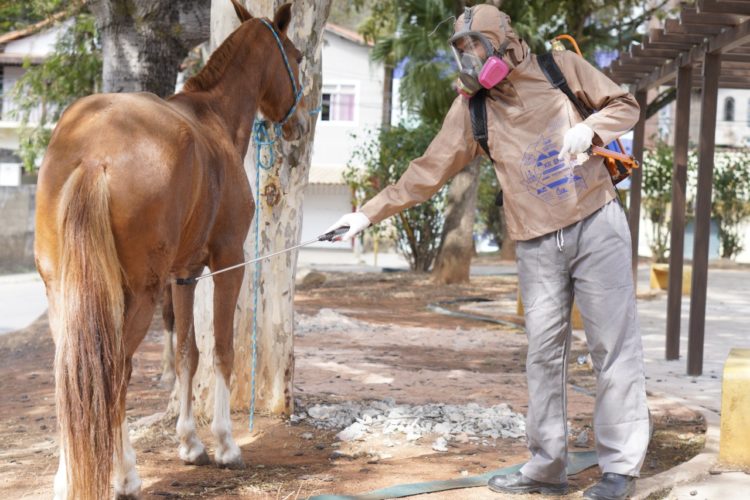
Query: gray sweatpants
590, 259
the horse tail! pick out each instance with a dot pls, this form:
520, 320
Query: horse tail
89, 355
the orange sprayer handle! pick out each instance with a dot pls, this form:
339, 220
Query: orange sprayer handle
571, 40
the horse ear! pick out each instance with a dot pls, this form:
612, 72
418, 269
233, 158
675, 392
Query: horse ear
283, 17
241, 11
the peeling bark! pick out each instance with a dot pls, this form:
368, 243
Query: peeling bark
144, 41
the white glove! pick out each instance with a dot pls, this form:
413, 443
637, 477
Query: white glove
357, 222
577, 140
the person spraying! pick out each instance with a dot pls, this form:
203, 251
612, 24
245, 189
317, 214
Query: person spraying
572, 238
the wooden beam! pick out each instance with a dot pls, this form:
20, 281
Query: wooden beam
682, 47
711, 70
724, 6
731, 38
690, 16
729, 80
634, 207
650, 61
677, 230
659, 36
729, 57
731, 85
633, 67
674, 26
732, 65
728, 39
620, 70
640, 51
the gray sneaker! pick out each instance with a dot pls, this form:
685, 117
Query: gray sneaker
517, 483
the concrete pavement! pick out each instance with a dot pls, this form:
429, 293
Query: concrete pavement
22, 300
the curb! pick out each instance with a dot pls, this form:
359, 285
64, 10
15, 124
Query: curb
695, 468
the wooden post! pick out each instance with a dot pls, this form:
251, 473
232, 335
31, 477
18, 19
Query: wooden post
711, 70
679, 182
634, 209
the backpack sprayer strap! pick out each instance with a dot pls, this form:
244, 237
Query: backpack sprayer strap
478, 113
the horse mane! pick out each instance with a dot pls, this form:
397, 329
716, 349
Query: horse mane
215, 67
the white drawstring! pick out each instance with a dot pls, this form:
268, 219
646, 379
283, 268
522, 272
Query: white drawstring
560, 239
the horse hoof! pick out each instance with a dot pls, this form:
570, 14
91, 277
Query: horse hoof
201, 459
238, 464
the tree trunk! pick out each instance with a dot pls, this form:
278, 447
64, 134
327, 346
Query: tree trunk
144, 41
279, 216
457, 245
508, 248
387, 96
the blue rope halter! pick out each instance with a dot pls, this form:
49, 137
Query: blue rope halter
297, 93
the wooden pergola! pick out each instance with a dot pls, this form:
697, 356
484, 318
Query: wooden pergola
707, 46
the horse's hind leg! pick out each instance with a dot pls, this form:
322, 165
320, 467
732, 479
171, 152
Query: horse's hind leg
127, 482
138, 317
226, 290
191, 449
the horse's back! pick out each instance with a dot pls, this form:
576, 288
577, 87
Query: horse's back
145, 151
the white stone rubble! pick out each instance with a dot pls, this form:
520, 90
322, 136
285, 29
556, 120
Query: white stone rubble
458, 423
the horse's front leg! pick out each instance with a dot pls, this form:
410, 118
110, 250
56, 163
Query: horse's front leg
226, 291
191, 449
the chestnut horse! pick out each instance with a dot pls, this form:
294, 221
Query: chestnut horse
134, 192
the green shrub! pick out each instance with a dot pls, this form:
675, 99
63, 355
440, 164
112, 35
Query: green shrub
730, 203
382, 157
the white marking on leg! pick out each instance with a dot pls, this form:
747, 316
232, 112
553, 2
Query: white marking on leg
127, 482
227, 451
61, 479
190, 446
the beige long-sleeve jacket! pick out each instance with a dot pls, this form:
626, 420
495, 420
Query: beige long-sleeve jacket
526, 118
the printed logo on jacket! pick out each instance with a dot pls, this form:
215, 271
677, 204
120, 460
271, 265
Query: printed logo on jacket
549, 179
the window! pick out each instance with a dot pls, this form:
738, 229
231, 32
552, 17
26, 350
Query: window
729, 109
338, 103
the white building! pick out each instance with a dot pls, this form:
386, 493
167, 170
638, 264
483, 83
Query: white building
732, 131
351, 105
15, 48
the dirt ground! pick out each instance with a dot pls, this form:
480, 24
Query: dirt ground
407, 352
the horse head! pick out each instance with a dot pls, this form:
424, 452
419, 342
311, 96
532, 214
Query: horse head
281, 98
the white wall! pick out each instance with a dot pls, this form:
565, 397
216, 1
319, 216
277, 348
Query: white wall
36, 45
344, 62
324, 204
39, 44
348, 62
11, 74
737, 132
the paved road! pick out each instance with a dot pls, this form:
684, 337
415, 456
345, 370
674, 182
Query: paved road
22, 300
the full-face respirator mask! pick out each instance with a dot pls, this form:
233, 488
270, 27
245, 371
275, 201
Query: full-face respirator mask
479, 64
